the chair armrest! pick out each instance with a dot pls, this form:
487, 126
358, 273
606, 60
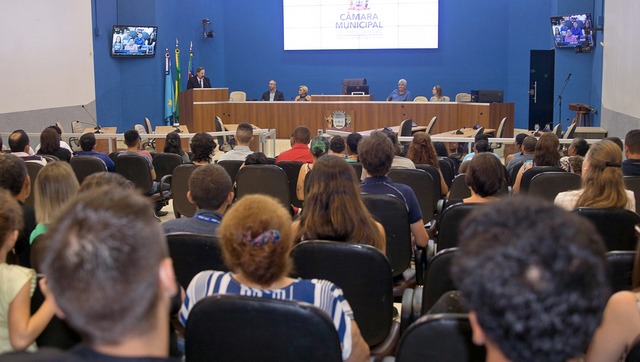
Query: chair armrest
407, 309
388, 346
164, 180
416, 307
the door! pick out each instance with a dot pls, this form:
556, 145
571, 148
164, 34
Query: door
542, 64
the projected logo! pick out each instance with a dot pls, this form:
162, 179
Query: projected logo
358, 21
359, 5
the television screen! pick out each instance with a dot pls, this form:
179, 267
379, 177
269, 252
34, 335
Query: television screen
133, 41
572, 31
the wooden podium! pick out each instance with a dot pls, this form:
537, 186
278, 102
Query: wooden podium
189, 113
184, 141
102, 144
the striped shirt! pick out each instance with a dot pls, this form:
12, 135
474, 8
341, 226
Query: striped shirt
321, 293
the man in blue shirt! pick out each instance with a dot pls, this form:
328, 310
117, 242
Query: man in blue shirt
401, 94
88, 145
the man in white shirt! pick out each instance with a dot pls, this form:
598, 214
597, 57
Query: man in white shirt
243, 137
19, 145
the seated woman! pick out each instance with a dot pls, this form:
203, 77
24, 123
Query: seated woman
257, 253
437, 94
484, 177
319, 147
546, 154
302, 94
602, 182
333, 209
50, 145
421, 151
173, 145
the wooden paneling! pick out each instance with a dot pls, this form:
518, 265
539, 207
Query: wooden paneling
339, 98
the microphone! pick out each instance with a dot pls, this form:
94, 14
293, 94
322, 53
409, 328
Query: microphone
97, 127
568, 77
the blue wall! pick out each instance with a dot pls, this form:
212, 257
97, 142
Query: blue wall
483, 45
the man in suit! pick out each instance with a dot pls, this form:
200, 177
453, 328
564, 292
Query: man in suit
199, 81
272, 94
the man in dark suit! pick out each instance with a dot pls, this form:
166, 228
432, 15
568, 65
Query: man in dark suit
272, 94
199, 81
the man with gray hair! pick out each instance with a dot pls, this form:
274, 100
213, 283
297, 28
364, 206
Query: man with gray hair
401, 94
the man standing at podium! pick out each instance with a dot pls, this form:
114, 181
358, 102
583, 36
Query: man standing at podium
199, 81
272, 94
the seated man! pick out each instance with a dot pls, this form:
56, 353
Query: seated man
535, 286
110, 277
243, 137
376, 154
527, 149
518, 145
299, 147
631, 166
352, 146
19, 146
88, 145
210, 189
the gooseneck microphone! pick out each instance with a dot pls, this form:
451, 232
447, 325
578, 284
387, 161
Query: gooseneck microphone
568, 77
97, 128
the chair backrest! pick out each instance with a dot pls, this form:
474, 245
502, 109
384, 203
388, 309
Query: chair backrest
84, 166
513, 174
223, 142
458, 188
237, 96
292, 169
405, 128
393, 215
32, 169
435, 175
263, 179
570, 131
463, 97
450, 221
193, 253
147, 126
140, 128
549, 184
232, 167
500, 130
449, 339
421, 99
620, 269
165, 163
179, 188
76, 127
50, 158
114, 156
557, 129
369, 293
357, 167
437, 280
447, 168
525, 181
616, 226
446, 99
57, 334
135, 168
633, 183
241, 328
422, 185
432, 122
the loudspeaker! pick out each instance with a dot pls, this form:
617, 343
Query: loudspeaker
487, 96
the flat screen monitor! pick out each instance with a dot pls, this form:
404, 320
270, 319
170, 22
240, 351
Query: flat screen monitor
133, 41
572, 31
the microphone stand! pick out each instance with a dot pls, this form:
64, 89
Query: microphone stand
559, 100
97, 128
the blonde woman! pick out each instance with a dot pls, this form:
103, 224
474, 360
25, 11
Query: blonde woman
303, 95
602, 183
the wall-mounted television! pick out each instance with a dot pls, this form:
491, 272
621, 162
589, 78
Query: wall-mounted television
133, 41
572, 31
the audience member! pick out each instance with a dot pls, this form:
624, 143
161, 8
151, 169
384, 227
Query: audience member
105, 179
63, 144
202, 146
617, 141
55, 185
602, 183
303, 95
243, 137
518, 139
576, 164
485, 178
19, 146
376, 155
173, 144
441, 149
398, 160
272, 94
437, 95
299, 147
211, 191
15, 179
527, 150
422, 152
256, 158
578, 147
50, 145
18, 328
401, 94
132, 141
545, 154
630, 166
257, 253
337, 147
481, 145
319, 147
534, 278
333, 208
352, 146
88, 145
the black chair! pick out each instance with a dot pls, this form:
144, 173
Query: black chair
292, 169
240, 328
165, 163
369, 293
423, 185
435, 175
525, 181
616, 226
57, 334
633, 183
440, 337
513, 174
135, 168
621, 269
193, 253
84, 166
458, 188
224, 142
232, 167
264, 179
179, 188
548, 185
357, 167
114, 156
32, 169
406, 127
449, 223
49, 158
448, 169
437, 280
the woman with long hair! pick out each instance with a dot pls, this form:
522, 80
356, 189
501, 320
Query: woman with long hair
319, 147
602, 182
421, 151
333, 209
546, 154
174, 145
437, 94
50, 145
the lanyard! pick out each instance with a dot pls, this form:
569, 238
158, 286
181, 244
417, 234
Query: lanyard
207, 219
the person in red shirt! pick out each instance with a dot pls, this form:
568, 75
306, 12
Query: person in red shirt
299, 147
